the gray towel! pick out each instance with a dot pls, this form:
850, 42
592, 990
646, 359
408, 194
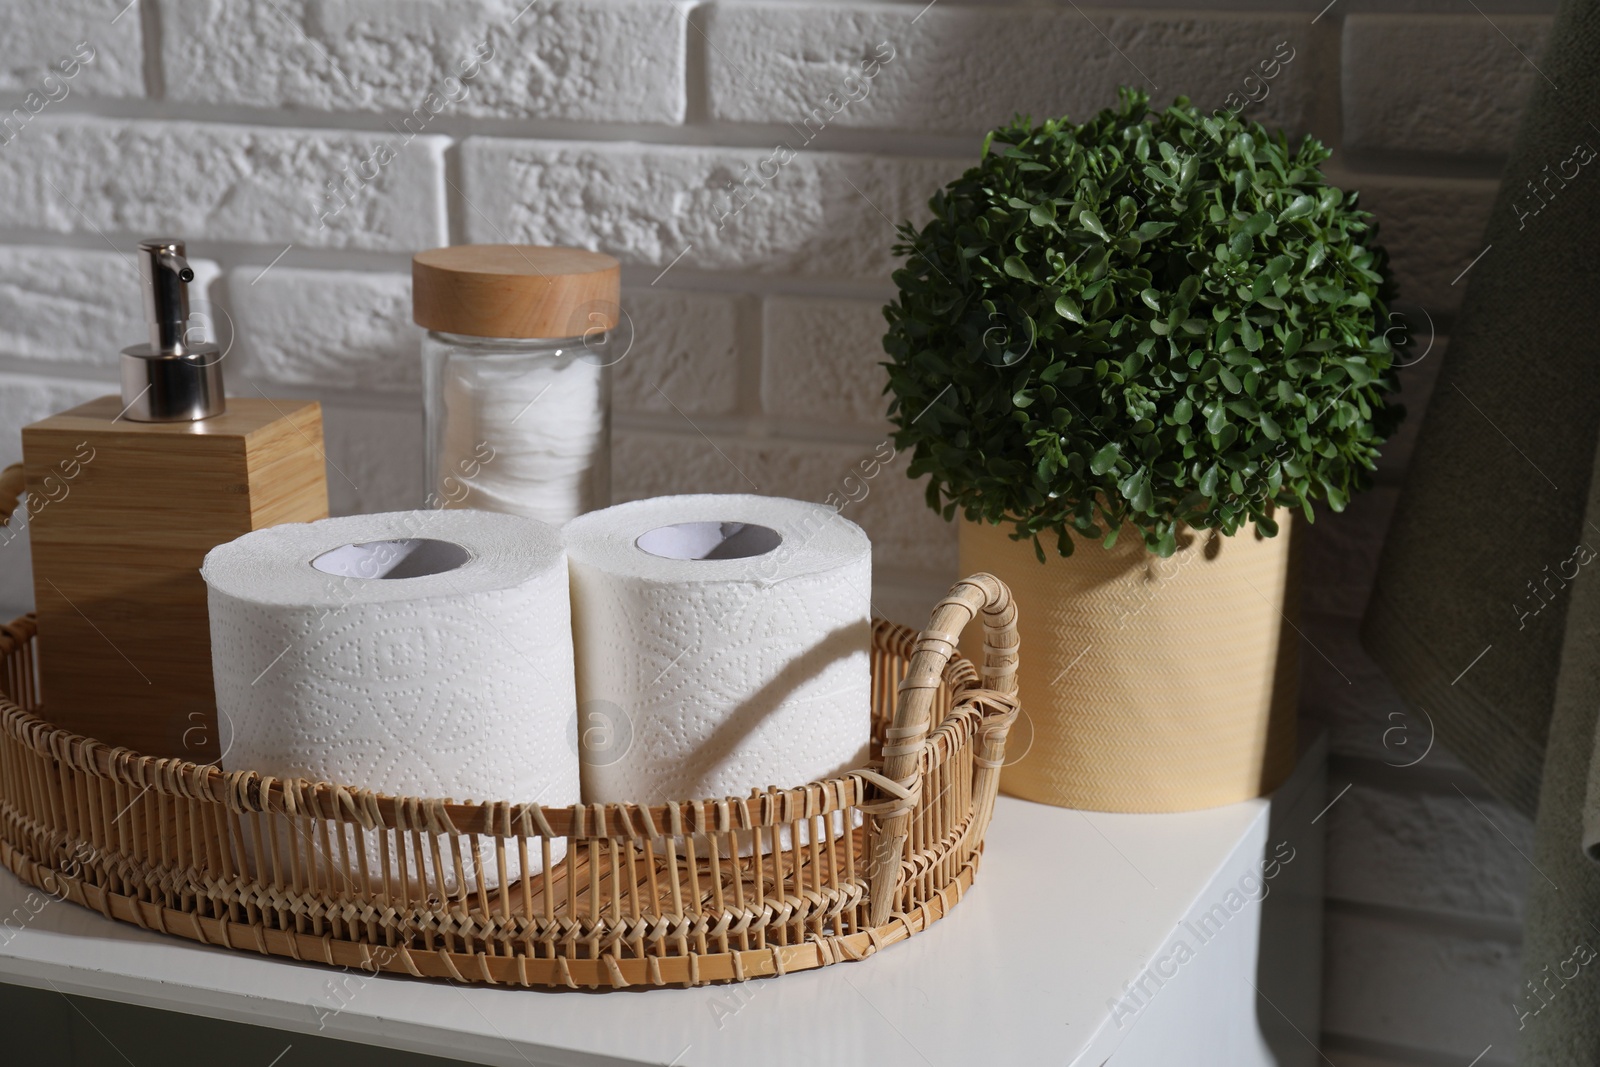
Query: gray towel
1486, 611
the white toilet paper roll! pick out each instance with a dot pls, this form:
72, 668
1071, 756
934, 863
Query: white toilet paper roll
722, 646
422, 653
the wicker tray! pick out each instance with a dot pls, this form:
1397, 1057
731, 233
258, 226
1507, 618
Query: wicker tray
643, 896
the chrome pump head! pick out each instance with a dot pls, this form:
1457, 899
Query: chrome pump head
168, 379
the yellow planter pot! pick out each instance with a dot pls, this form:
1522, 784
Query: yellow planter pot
1149, 684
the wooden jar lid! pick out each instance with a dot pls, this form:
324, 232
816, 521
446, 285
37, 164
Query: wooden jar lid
515, 290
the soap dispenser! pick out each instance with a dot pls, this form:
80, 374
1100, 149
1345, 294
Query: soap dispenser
133, 491
169, 379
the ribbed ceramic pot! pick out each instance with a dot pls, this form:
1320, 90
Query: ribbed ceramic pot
1150, 685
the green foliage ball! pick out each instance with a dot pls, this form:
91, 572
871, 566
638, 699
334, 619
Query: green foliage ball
1151, 319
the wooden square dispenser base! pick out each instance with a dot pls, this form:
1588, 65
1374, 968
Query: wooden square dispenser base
122, 515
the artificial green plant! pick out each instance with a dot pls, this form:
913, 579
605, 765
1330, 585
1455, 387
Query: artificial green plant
1153, 319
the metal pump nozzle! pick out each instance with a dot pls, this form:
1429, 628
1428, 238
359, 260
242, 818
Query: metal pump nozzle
168, 379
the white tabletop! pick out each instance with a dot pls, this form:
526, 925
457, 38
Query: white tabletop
1020, 972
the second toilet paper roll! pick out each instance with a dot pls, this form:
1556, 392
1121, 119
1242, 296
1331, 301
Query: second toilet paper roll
424, 654
722, 646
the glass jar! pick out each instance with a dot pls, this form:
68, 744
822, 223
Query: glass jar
521, 425
516, 377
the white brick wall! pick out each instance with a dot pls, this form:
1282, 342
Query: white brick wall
1420, 991
1343, 557
1422, 355
1432, 228
905, 534
822, 360
822, 214
374, 456
40, 34
1430, 84
625, 125
949, 68
1439, 852
331, 328
67, 307
684, 354
26, 398
250, 184
604, 61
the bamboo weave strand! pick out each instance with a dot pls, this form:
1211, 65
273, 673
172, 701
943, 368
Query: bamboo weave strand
679, 893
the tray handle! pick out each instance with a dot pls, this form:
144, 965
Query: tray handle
980, 595
12, 484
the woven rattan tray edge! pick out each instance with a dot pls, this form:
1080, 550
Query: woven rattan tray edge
910, 878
